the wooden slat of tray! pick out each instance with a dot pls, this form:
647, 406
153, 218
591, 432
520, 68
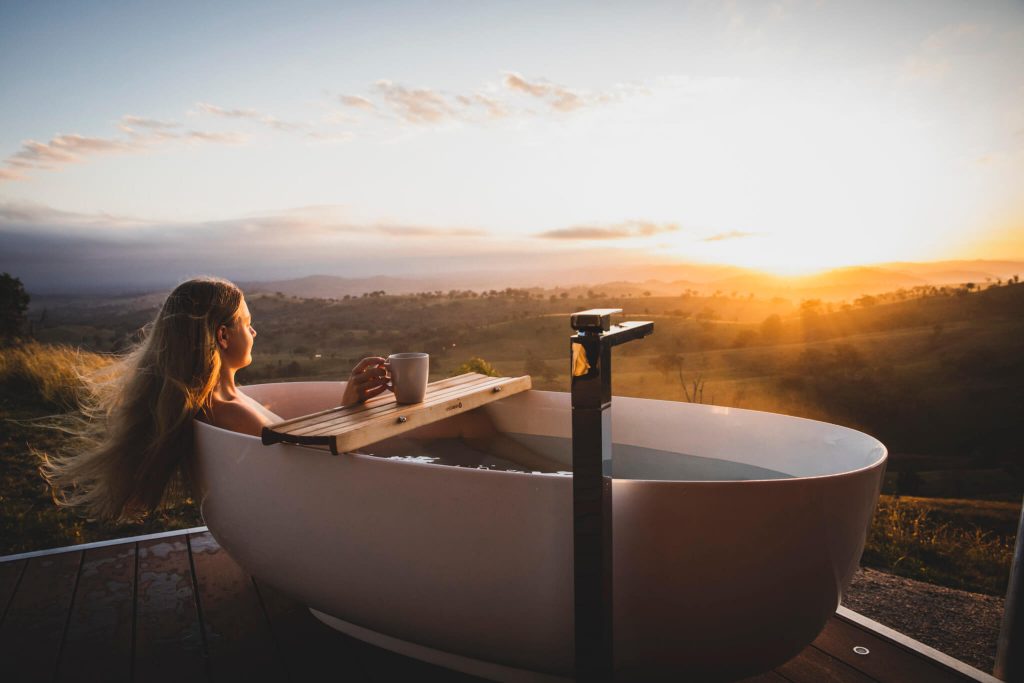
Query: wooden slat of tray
325, 423
349, 428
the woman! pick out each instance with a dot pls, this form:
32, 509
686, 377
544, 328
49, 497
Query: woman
133, 445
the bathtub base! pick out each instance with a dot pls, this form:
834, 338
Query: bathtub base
466, 665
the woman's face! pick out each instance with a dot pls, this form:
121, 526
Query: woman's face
235, 342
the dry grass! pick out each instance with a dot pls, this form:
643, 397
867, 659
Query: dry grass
51, 375
955, 543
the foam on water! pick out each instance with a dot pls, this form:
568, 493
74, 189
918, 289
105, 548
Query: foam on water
533, 454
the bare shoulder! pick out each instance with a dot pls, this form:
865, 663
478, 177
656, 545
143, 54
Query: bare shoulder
237, 416
258, 407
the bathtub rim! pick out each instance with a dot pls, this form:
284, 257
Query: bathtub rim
880, 461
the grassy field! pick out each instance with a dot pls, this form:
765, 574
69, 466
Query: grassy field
938, 378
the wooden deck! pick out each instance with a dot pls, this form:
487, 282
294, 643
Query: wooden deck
177, 608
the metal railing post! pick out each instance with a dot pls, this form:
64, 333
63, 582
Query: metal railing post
1010, 652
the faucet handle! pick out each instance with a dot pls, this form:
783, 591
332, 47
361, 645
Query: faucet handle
596, 319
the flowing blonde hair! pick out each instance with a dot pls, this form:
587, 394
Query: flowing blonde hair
131, 450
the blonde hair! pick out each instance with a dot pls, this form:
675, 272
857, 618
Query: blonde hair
131, 450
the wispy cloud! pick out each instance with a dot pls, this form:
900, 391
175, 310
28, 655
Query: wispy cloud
64, 149
429, 106
357, 101
223, 138
420, 231
31, 214
622, 230
731, 235
494, 108
250, 115
559, 97
129, 123
416, 105
263, 228
420, 106
73, 148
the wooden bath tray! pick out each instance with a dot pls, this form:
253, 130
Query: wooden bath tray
346, 429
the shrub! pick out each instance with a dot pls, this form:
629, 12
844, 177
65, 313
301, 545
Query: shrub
476, 364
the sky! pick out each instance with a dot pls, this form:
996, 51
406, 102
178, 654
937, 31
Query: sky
144, 142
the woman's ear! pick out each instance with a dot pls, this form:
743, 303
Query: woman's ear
222, 336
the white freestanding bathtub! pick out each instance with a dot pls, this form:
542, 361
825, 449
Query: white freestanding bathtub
735, 533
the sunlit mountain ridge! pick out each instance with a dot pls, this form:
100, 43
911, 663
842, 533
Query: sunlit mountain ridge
666, 280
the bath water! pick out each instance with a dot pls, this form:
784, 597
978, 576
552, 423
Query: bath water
530, 453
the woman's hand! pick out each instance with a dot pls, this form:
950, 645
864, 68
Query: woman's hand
369, 378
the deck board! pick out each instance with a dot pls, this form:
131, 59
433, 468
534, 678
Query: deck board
813, 666
168, 638
98, 642
180, 608
238, 639
884, 662
33, 628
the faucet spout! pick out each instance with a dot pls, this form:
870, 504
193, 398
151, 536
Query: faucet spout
628, 331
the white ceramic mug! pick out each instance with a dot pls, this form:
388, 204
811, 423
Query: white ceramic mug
409, 376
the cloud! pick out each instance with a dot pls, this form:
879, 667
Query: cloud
622, 230
74, 148
560, 98
427, 106
357, 101
31, 214
264, 228
248, 114
516, 82
731, 235
64, 149
419, 231
129, 121
223, 138
493, 108
416, 105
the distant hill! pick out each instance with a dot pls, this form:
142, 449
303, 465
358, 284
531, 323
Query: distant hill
666, 280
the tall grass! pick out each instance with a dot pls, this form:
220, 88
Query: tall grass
912, 538
51, 375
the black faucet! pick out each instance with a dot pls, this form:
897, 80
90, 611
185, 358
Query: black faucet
590, 367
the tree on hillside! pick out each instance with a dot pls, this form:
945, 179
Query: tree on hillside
13, 307
672, 363
476, 364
